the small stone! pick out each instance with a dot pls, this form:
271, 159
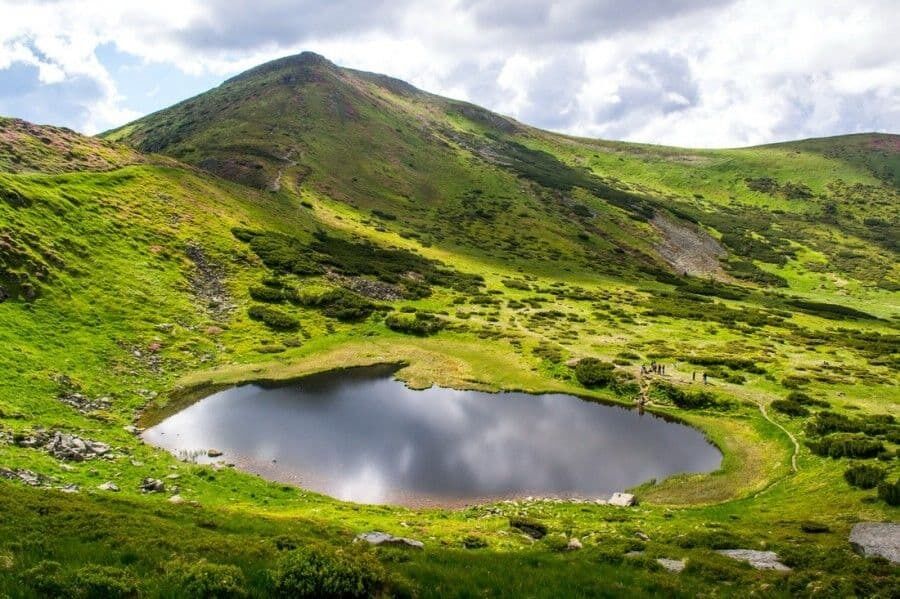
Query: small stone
622, 500
642, 536
574, 545
176, 499
382, 538
131, 429
877, 538
672, 565
70, 488
109, 486
761, 560
153, 485
213, 453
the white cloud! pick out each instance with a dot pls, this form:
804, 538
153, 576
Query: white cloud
686, 72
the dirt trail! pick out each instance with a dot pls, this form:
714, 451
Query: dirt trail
290, 162
762, 409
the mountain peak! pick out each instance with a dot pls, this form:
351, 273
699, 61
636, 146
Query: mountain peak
305, 61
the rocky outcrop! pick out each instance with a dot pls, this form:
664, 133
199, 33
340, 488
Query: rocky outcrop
880, 539
29, 477
382, 538
109, 486
152, 485
64, 446
687, 248
761, 560
208, 282
622, 500
84, 404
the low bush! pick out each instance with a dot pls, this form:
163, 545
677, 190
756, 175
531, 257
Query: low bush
274, 318
420, 323
312, 572
474, 542
105, 581
831, 422
831, 311
804, 399
533, 528
842, 445
791, 408
347, 307
268, 294
47, 579
812, 527
890, 492
688, 400
202, 580
592, 372
864, 476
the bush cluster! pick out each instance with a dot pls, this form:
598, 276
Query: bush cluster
313, 573
592, 372
205, 580
864, 476
791, 408
890, 492
420, 323
274, 318
688, 400
842, 445
533, 528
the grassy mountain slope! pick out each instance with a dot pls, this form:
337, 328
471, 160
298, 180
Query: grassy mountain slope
133, 282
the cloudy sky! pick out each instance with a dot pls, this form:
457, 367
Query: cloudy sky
686, 72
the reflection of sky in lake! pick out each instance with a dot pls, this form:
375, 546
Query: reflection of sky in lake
360, 435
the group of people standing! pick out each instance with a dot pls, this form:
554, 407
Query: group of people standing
655, 368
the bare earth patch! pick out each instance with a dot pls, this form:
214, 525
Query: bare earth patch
689, 249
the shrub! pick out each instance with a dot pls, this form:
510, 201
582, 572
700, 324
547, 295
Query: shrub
812, 527
864, 476
347, 307
791, 408
557, 543
592, 372
474, 542
533, 528
103, 581
47, 579
844, 445
263, 293
207, 580
802, 398
890, 492
314, 572
274, 318
420, 323
687, 400
832, 311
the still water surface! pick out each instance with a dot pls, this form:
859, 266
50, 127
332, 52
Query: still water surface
360, 435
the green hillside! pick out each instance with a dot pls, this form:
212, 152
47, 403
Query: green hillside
302, 217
